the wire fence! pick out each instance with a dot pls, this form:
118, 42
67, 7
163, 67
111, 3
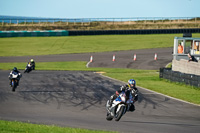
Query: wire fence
175, 76
105, 23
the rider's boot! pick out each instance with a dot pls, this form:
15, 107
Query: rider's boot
111, 100
132, 108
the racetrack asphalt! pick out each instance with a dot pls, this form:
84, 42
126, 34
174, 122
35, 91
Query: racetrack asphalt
123, 59
77, 99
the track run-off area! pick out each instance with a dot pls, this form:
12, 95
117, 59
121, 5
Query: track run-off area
77, 98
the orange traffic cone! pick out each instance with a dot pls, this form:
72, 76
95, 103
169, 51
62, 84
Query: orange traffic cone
91, 58
113, 58
134, 57
155, 57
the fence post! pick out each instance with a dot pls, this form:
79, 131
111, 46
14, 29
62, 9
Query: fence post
67, 21
161, 73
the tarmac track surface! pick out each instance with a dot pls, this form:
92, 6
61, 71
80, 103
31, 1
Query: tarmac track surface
123, 59
77, 99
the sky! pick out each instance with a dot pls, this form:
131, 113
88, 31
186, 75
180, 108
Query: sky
100, 8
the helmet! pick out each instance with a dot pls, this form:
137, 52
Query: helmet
132, 82
15, 69
32, 60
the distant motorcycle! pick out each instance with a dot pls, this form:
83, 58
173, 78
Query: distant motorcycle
119, 107
28, 68
14, 80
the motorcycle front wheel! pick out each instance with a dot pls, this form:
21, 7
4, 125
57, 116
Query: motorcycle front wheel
119, 114
13, 85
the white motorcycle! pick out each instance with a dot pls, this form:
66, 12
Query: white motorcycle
15, 80
119, 107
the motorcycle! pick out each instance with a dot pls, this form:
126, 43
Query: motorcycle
119, 107
14, 80
28, 68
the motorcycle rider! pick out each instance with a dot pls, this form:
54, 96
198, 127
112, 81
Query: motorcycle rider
128, 88
32, 63
17, 72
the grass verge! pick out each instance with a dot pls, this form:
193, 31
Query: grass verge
24, 46
20, 127
144, 78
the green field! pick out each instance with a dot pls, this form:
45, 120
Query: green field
23, 46
19, 127
83, 44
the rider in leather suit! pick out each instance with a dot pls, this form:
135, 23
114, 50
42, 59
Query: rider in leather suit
128, 88
32, 63
14, 71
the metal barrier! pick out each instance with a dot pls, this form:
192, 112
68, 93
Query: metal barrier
93, 32
121, 32
33, 33
174, 76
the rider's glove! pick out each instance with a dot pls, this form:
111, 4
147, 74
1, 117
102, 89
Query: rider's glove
117, 93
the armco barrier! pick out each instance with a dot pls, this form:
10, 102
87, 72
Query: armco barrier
34, 33
121, 32
94, 32
174, 76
